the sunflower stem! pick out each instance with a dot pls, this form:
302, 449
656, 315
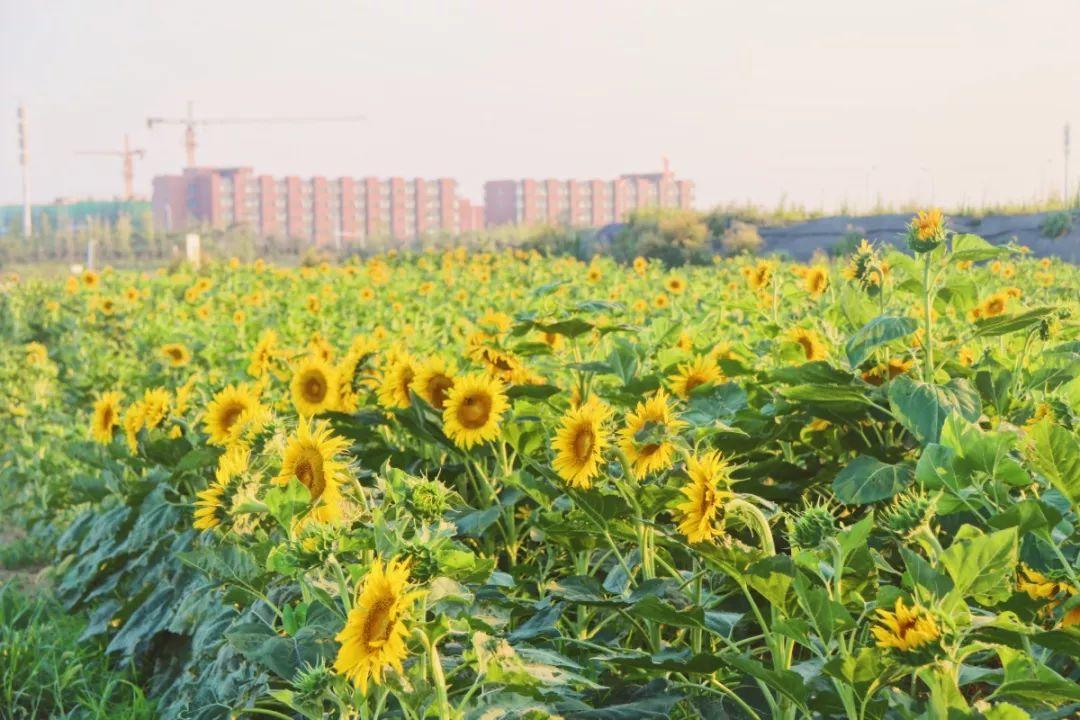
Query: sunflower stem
928, 334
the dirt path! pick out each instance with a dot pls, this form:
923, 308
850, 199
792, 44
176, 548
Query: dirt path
29, 577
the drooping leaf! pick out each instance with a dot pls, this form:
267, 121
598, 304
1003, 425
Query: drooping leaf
866, 480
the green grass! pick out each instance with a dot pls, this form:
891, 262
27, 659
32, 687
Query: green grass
46, 672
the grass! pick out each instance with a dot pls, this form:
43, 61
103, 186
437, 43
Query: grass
45, 671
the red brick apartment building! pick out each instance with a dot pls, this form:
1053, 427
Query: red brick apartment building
319, 210
583, 203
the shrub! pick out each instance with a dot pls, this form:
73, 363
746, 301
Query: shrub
1057, 225
674, 236
741, 238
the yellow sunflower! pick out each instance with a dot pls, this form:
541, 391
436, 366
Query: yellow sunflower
374, 634
905, 628
810, 343
816, 281
211, 505
155, 406
232, 411
701, 515
133, 423
646, 438
579, 443
106, 416
675, 285
474, 408
312, 457
760, 275
314, 386
701, 370
36, 353
262, 357
433, 381
176, 354
397, 379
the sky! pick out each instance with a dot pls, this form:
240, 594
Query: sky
823, 104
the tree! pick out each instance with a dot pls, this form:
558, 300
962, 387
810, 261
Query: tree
675, 236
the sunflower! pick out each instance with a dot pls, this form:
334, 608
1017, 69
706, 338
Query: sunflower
645, 439
675, 285
702, 512
579, 443
233, 410
106, 416
474, 407
816, 281
314, 386
374, 634
760, 275
262, 357
701, 370
90, 279
155, 405
311, 456
433, 380
926, 230
397, 379
905, 628
133, 423
992, 306
640, 265
211, 507
878, 374
176, 354
810, 342
36, 353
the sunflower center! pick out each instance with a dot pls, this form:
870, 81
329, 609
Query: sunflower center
474, 411
694, 381
437, 388
378, 625
107, 417
405, 380
647, 450
584, 442
807, 346
309, 472
230, 415
314, 388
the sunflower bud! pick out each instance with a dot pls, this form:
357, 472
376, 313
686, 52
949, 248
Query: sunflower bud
429, 500
908, 514
926, 231
312, 681
812, 527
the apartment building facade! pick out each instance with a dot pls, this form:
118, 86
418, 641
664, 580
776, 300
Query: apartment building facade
320, 210
582, 203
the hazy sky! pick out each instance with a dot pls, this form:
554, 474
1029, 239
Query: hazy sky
821, 101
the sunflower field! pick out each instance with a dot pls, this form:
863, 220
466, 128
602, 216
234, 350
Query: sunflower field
505, 485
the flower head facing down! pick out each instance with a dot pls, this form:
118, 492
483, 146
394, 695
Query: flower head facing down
373, 638
701, 370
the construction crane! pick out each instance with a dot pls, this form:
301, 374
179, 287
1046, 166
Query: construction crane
190, 122
129, 156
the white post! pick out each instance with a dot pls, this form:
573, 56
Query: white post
192, 247
24, 160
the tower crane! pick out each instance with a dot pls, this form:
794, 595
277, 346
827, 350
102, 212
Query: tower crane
191, 122
128, 154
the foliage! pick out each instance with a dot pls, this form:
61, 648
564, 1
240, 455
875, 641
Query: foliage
876, 458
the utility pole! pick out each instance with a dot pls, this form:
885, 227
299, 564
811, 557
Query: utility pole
24, 160
1065, 186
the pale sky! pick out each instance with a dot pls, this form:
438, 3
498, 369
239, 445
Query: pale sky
821, 102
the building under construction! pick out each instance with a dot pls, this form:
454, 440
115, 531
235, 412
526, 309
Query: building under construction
320, 210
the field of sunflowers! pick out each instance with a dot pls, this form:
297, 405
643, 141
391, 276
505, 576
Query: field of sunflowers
465, 485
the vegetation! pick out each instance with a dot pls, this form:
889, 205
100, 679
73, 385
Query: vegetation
453, 484
1057, 225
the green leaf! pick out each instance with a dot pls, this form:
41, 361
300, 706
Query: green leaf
1026, 516
197, 459
1056, 453
285, 503
922, 408
982, 565
1005, 324
972, 248
866, 480
878, 331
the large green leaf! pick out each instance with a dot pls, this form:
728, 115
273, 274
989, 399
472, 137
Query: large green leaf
922, 408
877, 332
972, 248
1005, 324
1056, 453
982, 565
867, 479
